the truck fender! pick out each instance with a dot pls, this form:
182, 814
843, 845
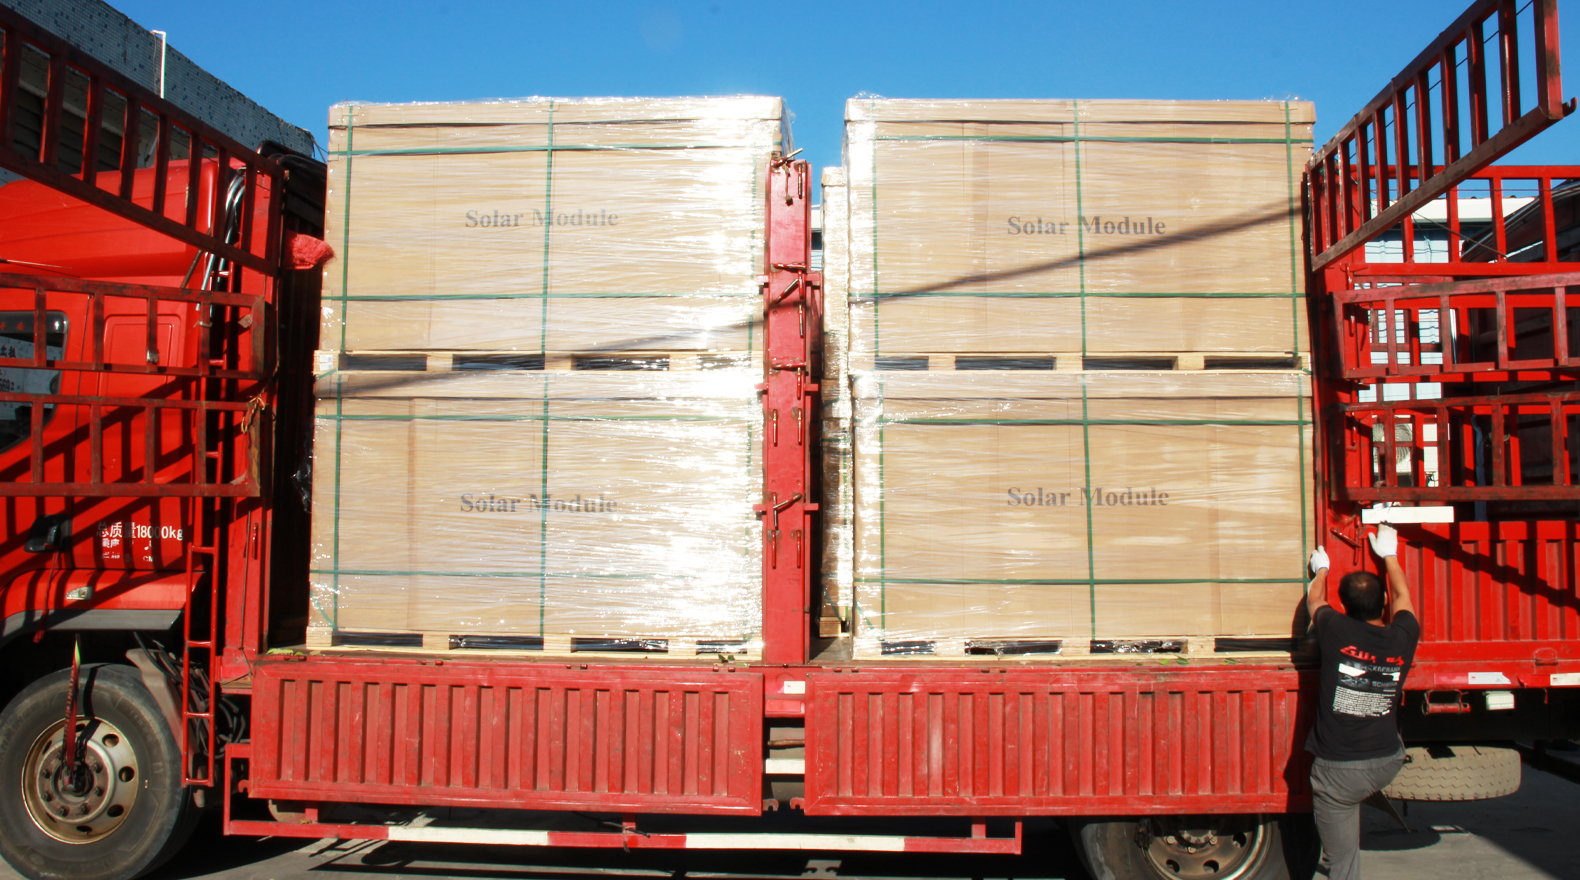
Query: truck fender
91, 599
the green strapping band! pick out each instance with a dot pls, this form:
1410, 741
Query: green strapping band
1080, 212
1071, 294
1076, 582
877, 346
548, 211
345, 225
1077, 138
345, 262
883, 505
379, 572
543, 329
435, 297
545, 417
550, 147
1084, 422
335, 553
543, 518
1091, 540
883, 525
1294, 319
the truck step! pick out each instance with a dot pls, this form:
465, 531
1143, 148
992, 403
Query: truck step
626, 647
1076, 362
330, 360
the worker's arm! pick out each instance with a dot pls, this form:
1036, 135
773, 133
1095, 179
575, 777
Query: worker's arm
1317, 592
1386, 545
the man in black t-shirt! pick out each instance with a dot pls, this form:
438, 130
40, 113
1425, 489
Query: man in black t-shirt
1364, 664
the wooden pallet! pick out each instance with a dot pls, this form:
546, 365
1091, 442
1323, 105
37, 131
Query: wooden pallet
327, 360
626, 647
1178, 649
1075, 362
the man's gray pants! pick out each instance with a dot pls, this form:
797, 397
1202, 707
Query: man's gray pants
1337, 789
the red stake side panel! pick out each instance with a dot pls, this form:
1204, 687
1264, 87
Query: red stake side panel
1485, 593
507, 735
1057, 741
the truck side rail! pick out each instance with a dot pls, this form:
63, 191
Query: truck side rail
1360, 184
152, 134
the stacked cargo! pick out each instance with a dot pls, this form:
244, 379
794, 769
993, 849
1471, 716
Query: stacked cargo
838, 503
1077, 340
537, 418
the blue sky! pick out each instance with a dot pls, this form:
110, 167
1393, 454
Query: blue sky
297, 58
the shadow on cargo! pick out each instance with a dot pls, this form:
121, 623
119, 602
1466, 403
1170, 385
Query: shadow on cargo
407, 379
1281, 213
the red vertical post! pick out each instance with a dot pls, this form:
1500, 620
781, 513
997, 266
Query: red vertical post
792, 330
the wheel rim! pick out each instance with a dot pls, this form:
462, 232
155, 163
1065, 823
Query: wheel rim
1220, 847
94, 800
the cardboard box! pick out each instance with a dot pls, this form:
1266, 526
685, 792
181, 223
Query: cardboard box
1036, 505
570, 504
1076, 226
547, 225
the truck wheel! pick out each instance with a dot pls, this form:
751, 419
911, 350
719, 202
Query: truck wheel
124, 814
1176, 847
1457, 773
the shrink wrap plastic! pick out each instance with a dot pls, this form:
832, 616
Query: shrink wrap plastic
555, 434
837, 499
572, 504
547, 225
1075, 227
1036, 505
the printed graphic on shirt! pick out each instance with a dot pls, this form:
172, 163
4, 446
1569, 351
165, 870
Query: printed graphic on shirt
1368, 685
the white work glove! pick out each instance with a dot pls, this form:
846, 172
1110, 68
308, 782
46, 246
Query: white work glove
1386, 542
1319, 560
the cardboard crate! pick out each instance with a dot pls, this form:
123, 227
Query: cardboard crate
605, 505
547, 225
1076, 226
1090, 506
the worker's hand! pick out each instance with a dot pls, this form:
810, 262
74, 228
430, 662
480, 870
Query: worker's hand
1319, 560
1386, 542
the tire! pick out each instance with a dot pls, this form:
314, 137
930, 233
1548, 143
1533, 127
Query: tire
132, 814
1456, 773
1227, 847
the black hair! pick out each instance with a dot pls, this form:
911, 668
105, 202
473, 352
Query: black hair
1362, 595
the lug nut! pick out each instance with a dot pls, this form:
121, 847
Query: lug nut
1171, 839
47, 797
98, 791
64, 812
1212, 838
98, 768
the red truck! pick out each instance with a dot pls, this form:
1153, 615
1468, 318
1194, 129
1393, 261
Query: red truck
158, 314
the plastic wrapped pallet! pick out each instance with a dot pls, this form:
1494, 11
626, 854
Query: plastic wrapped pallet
547, 225
1017, 507
550, 510
1076, 228
837, 503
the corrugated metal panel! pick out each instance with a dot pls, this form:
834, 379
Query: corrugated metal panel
1025, 742
1510, 583
510, 735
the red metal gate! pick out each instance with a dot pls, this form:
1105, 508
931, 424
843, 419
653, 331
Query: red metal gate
435, 732
1077, 741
